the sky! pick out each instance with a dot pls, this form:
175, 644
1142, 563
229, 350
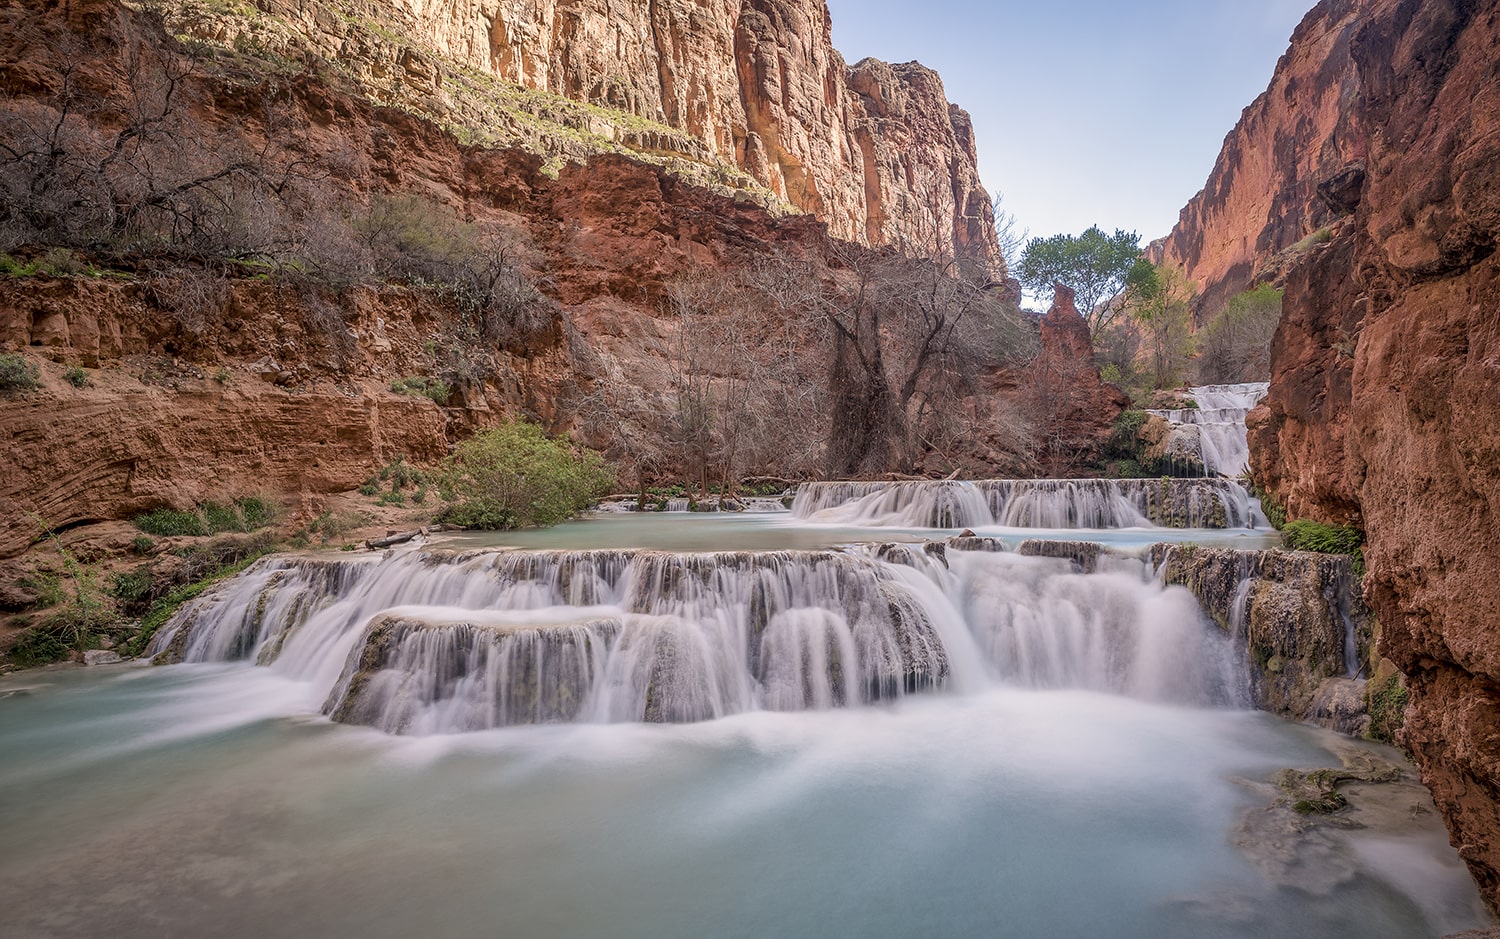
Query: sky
1106, 112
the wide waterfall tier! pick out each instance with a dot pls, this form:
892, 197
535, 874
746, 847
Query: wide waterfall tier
1030, 503
445, 642
1214, 431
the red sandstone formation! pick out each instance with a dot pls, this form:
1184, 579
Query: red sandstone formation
1296, 139
874, 150
1385, 398
1076, 408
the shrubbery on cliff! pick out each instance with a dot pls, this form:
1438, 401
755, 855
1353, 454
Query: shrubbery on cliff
515, 476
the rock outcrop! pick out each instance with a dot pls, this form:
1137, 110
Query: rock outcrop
1291, 166
1385, 399
1296, 613
751, 92
1077, 407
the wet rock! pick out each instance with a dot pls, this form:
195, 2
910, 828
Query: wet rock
1294, 611
1083, 555
101, 657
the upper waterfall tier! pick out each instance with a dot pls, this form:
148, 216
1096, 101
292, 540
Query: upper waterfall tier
437, 642
1030, 503
1218, 424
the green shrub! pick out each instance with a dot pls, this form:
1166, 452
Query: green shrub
142, 544
400, 475
242, 556
220, 518
10, 267
515, 476
256, 512
17, 374
132, 587
1275, 513
392, 498
76, 376
168, 523
245, 514
370, 488
432, 388
1385, 700
1305, 535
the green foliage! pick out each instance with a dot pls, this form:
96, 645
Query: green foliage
332, 526
1306, 535
76, 376
58, 262
132, 587
1275, 513
392, 498
169, 523
1235, 346
369, 488
81, 611
17, 374
423, 387
257, 512
401, 474
1095, 265
1159, 302
163, 609
248, 513
141, 544
515, 476
220, 518
1320, 237
1385, 701
413, 238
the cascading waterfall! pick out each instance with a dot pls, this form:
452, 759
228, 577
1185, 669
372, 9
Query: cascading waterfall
1030, 503
1219, 424
436, 642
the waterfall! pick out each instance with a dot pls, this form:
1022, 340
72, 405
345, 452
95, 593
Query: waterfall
1219, 424
1030, 503
441, 642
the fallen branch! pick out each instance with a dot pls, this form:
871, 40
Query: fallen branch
394, 539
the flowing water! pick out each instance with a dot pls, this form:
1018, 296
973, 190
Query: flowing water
1219, 423
684, 726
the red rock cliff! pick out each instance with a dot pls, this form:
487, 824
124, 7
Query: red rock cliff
1262, 197
749, 93
1385, 397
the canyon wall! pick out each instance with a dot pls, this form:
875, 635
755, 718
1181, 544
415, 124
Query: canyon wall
1384, 408
204, 379
1262, 200
749, 93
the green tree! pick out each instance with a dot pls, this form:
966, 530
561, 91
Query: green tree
1235, 346
515, 476
1093, 264
1159, 300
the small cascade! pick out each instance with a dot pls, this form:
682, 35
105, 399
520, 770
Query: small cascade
1030, 503
1298, 615
443, 642
904, 504
417, 677
1217, 425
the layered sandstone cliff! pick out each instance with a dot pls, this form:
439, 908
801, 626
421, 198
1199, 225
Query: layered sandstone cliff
1385, 398
279, 379
1261, 207
745, 93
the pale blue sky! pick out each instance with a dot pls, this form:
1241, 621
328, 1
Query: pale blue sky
1086, 110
